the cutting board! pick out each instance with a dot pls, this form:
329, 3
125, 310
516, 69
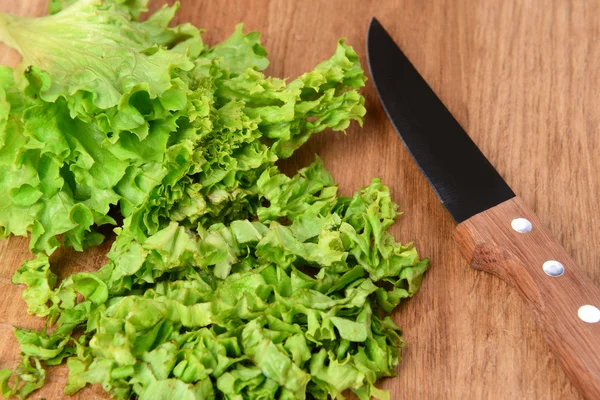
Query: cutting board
522, 77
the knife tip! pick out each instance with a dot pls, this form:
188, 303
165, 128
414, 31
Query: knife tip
374, 26
374, 21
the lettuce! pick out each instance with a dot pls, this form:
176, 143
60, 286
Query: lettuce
226, 277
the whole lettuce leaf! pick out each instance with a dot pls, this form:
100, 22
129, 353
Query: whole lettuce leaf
108, 112
227, 278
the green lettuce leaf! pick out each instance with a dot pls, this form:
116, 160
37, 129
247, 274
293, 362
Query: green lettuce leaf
26, 378
100, 73
226, 278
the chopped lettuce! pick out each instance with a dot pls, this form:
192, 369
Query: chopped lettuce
226, 278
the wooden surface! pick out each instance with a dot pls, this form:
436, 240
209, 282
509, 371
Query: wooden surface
490, 243
523, 78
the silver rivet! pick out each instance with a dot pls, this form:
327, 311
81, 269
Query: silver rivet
521, 225
589, 314
553, 268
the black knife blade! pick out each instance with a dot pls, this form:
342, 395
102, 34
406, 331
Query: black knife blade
460, 174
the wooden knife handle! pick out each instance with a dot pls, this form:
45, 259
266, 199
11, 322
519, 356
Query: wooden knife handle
491, 243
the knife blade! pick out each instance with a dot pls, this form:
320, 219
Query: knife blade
466, 185
496, 231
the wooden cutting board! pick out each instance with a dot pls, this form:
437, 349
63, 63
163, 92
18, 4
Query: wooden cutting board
522, 77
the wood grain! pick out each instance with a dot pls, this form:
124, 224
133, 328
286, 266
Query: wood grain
489, 242
523, 78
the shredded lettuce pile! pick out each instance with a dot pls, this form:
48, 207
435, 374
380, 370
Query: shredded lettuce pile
227, 279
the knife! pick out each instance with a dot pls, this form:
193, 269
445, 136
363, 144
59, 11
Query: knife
496, 231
